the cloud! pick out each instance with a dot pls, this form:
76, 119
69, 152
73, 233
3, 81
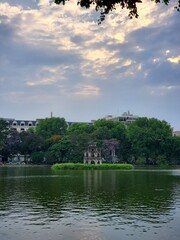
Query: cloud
60, 55
162, 90
174, 59
87, 90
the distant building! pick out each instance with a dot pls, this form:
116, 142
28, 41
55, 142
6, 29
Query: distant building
21, 125
24, 125
19, 159
92, 155
109, 117
176, 133
126, 117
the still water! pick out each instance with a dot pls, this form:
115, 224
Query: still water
37, 203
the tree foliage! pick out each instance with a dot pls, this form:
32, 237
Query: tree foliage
106, 6
12, 143
25, 143
30, 142
49, 127
3, 133
145, 141
150, 139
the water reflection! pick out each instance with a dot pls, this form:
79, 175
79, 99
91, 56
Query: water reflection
38, 203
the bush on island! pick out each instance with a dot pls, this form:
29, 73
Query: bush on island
81, 166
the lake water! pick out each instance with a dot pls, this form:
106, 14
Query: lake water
39, 204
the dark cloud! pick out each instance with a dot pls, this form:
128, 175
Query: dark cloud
153, 40
163, 73
21, 54
79, 39
6, 34
147, 46
25, 55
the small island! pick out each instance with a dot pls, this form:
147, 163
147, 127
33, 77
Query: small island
82, 166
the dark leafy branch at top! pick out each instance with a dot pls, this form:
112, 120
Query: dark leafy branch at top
106, 6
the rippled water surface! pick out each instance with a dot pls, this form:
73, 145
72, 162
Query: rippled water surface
37, 203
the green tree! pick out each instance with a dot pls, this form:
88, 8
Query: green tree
103, 129
78, 143
150, 139
37, 157
12, 143
106, 6
106, 130
70, 148
51, 126
109, 150
119, 132
4, 131
79, 128
174, 150
58, 152
30, 142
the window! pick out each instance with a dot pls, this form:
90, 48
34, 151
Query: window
22, 124
30, 124
14, 123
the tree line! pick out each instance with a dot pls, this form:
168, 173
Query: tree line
146, 141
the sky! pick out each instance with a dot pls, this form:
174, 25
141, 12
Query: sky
58, 59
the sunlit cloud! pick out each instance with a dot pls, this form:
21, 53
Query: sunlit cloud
87, 90
49, 76
11, 11
138, 49
43, 3
167, 52
128, 62
139, 67
156, 60
46, 81
174, 59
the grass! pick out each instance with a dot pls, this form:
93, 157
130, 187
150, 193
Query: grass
81, 166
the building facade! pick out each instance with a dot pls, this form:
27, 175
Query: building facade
21, 125
19, 159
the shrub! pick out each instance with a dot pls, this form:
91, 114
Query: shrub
81, 166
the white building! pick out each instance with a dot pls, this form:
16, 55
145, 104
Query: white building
21, 125
126, 117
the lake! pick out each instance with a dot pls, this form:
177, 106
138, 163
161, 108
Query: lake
37, 203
